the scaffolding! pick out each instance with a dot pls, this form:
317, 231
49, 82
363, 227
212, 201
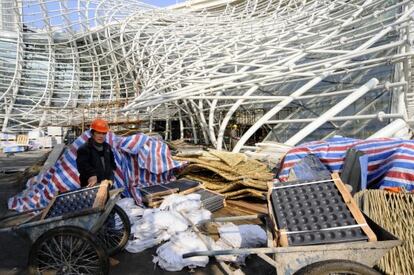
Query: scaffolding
302, 70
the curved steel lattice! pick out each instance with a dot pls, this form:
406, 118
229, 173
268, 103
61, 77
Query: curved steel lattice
342, 67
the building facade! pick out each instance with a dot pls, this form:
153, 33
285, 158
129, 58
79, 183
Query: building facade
292, 70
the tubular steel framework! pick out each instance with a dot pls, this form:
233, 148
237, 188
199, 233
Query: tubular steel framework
300, 69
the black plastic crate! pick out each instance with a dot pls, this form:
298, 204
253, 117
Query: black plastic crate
314, 212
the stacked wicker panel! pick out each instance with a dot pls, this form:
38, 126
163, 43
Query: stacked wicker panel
394, 212
231, 174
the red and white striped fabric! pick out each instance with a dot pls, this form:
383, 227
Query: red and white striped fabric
390, 161
141, 161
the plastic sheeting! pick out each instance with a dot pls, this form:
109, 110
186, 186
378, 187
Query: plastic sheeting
141, 161
390, 161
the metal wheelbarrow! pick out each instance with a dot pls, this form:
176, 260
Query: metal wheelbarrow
75, 233
340, 258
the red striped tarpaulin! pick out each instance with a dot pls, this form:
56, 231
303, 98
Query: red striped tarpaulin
390, 161
141, 161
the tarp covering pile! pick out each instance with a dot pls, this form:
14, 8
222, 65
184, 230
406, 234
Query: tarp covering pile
141, 161
394, 212
390, 161
231, 174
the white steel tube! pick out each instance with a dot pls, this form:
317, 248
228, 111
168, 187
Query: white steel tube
332, 112
390, 129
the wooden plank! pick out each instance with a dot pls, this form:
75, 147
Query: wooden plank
160, 194
190, 190
101, 195
353, 208
53, 157
282, 238
46, 210
253, 208
155, 204
272, 220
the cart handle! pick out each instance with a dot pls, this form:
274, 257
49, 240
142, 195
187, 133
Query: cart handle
232, 218
20, 213
240, 251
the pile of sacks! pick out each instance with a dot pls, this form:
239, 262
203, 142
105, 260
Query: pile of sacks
158, 225
169, 255
171, 222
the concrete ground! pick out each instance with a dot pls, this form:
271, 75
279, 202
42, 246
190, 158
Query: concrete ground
14, 250
13, 261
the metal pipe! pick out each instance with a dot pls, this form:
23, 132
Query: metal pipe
390, 129
332, 112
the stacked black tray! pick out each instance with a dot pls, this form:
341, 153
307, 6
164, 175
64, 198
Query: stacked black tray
313, 212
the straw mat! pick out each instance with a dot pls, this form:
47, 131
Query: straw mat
395, 213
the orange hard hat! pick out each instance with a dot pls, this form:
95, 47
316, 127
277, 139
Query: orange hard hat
100, 125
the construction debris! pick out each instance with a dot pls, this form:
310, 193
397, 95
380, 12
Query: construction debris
231, 174
269, 152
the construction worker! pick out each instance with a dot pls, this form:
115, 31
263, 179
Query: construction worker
234, 137
95, 159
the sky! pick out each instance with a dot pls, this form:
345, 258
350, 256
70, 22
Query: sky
32, 12
162, 3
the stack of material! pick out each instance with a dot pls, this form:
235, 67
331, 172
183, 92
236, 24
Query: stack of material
317, 212
182, 148
269, 152
394, 212
211, 201
153, 195
231, 174
173, 216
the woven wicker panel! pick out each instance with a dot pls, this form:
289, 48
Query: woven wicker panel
249, 169
395, 213
231, 159
231, 174
244, 193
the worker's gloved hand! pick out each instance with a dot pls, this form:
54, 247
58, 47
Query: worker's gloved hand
92, 181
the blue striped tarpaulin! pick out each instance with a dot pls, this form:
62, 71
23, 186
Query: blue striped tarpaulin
390, 161
141, 161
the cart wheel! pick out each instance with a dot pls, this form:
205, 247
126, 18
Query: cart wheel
114, 233
68, 250
337, 267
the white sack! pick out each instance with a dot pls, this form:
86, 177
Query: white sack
169, 255
181, 203
196, 216
221, 245
245, 235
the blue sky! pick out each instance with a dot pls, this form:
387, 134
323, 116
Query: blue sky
32, 13
161, 3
